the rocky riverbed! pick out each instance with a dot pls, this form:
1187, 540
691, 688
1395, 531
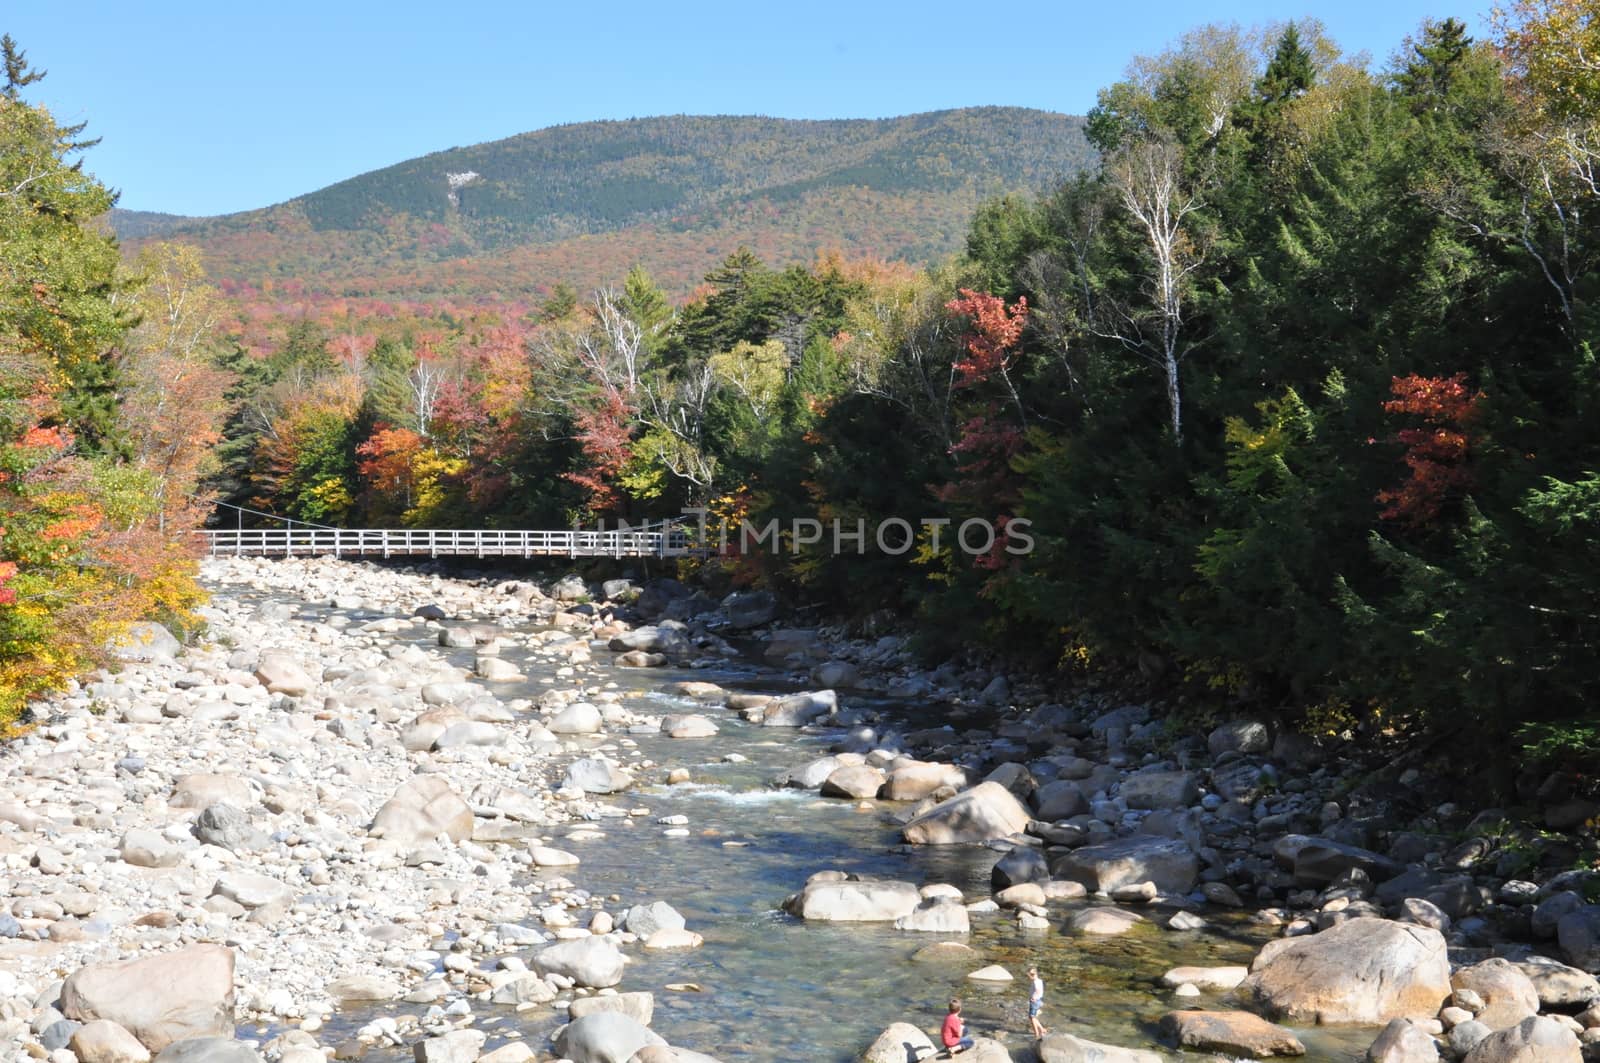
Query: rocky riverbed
380, 812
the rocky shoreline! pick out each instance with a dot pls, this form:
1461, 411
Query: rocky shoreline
298, 817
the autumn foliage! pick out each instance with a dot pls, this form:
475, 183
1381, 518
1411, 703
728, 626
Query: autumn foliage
991, 342
1437, 451
605, 434
988, 443
110, 406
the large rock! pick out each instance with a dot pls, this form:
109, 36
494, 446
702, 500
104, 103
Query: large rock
913, 782
1167, 862
640, 1007
1103, 921
1161, 789
986, 812
228, 827
692, 725
857, 781
936, 915
145, 642
209, 1050
643, 920
1022, 864
900, 1043
569, 588
1365, 971
797, 710
1560, 988
361, 989
813, 775
604, 1037
1578, 932
1061, 799
579, 718
592, 961
1403, 1041
1240, 736
1237, 1033
854, 901
750, 609
987, 1050
1318, 861
836, 674
596, 775
205, 789
1533, 1040
106, 1042
667, 640
282, 674
160, 999
422, 808
251, 890
146, 848
457, 1046
1509, 995
1548, 913
467, 733
493, 669
669, 1054
1219, 979
524, 987
426, 728
1065, 1048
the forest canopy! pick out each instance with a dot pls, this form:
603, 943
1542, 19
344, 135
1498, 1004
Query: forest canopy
1293, 384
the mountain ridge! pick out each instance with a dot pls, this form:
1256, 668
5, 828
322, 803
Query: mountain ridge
793, 186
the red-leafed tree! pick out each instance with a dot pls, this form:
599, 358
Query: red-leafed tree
986, 444
991, 343
605, 437
1437, 451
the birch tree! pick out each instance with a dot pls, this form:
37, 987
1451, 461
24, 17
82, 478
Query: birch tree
1149, 181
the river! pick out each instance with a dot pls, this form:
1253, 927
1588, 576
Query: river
771, 987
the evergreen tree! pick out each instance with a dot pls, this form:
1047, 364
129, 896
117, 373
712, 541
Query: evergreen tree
1435, 61
59, 279
560, 303
19, 74
1290, 73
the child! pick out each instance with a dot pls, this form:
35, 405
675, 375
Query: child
1036, 1002
954, 1033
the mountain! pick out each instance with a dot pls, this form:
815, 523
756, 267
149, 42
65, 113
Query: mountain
581, 203
134, 224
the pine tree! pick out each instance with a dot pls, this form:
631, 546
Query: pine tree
18, 73
645, 302
1289, 75
1435, 60
562, 301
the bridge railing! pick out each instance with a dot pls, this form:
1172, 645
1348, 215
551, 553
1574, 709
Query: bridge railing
672, 541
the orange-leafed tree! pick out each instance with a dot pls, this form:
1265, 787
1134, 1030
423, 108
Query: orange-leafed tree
175, 400
388, 465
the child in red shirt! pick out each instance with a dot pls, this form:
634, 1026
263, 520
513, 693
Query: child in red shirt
954, 1033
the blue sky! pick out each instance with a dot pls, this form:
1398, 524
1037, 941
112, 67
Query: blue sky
213, 107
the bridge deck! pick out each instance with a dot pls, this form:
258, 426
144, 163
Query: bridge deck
441, 542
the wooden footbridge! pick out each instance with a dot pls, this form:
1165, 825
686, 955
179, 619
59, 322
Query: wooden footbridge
299, 539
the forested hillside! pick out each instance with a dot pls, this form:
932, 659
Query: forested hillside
579, 204
1296, 390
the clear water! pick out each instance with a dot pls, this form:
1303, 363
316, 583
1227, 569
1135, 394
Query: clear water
775, 988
